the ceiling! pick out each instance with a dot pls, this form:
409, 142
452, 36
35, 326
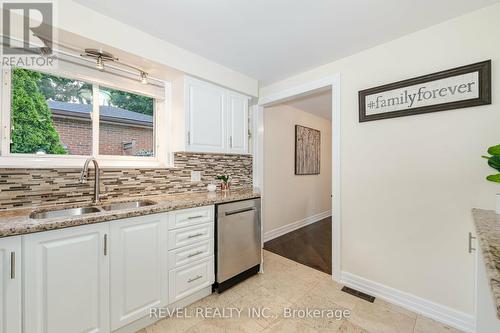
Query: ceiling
270, 40
318, 103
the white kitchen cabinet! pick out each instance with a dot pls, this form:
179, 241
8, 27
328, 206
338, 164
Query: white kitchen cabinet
216, 118
10, 285
206, 117
139, 270
66, 280
189, 279
486, 311
237, 106
191, 252
190, 235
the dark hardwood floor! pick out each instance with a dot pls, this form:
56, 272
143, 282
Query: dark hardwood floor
310, 245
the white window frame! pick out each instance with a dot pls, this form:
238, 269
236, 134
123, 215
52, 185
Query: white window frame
161, 125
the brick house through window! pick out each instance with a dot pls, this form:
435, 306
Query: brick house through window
121, 132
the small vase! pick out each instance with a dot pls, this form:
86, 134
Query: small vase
498, 203
224, 186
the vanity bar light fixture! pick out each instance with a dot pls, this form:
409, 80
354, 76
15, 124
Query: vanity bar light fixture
102, 56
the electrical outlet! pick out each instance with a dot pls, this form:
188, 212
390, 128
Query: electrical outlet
195, 176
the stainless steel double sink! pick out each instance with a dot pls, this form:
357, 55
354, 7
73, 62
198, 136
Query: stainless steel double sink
88, 210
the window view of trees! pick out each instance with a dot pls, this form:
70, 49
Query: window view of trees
129, 101
32, 127
51, 115
56, 88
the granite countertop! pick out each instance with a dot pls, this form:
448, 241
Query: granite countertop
18, 222
488, 233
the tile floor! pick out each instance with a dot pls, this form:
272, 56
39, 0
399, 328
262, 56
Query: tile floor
287, 284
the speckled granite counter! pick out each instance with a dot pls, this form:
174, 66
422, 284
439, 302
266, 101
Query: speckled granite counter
488, 233
18, 222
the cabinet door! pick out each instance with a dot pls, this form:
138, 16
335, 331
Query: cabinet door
66, 280
486, 311
138, 267
206, 117
237, 123
10, 285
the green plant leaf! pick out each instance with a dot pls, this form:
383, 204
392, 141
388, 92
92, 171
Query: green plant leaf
495, 150
494, 178
494, 162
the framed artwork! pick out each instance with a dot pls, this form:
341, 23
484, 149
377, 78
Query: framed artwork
307, 150
455, 88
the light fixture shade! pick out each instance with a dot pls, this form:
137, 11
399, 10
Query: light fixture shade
99, 64
144, 78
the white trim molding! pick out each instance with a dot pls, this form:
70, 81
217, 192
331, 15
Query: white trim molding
438, 312
271, 234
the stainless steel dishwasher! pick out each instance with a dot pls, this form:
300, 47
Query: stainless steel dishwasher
238, 236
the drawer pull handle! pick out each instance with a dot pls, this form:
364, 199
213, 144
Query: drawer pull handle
195, 217
196, 235
194, 254
13, 265
196, 278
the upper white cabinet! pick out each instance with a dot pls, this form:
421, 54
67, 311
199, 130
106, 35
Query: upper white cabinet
138, 267
206, 117
216, 118
10, 285
237, 128
66, 280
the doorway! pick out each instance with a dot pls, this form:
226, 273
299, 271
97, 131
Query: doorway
298, 178
297, 230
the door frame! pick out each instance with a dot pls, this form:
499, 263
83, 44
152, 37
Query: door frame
331, 82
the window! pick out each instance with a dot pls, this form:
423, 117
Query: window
125, 123
56, 116
50, 114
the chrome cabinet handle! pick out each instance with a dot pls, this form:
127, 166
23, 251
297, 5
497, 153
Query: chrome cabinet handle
196, 278
105, 244
196, 235
13, 265
231, 141
470, 242
195, 217
194, 254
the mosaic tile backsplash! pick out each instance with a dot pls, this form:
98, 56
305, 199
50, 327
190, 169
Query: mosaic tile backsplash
39, 187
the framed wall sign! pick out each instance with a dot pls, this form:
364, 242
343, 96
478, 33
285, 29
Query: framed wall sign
307, 150
456, 88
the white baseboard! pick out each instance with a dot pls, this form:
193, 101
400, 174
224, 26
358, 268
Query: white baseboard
296, 225
438, 312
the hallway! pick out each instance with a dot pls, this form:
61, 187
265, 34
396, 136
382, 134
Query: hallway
310, 245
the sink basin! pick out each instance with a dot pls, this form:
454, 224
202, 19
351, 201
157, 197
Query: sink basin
87, 210
64, 212
128, 205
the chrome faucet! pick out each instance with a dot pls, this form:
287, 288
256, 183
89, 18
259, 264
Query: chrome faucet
85, 173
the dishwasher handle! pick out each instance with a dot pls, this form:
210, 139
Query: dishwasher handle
238, 211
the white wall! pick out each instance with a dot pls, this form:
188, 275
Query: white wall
408, 184
290, 198
75, 18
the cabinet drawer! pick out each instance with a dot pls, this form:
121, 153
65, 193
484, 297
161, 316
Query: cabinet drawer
190, 235
188, 254
190, 216
189, 279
